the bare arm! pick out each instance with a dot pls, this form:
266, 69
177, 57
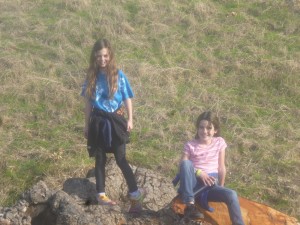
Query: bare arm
128, 105
184, 157
87, 112
222, 167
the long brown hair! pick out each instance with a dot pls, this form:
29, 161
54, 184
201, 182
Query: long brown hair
111, 69
211, 118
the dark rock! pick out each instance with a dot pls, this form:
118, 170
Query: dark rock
76, 203
38, 194
81, 189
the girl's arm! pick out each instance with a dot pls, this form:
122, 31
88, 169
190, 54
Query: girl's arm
87, 113
184, 157
222, 168
128, 105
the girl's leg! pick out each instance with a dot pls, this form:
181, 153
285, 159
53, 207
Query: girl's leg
100, 161
120, 156
187, 181
230, 198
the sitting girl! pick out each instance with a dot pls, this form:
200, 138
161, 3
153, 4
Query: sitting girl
203, 163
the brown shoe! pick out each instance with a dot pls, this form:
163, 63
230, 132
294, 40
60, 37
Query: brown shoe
192, 212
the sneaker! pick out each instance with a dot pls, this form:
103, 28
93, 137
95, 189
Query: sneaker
192, 212
136, 202
104, 200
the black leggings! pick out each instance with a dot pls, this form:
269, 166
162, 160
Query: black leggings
121, 161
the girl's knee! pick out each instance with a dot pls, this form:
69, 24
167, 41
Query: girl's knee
186, 164
232, 195
122, 162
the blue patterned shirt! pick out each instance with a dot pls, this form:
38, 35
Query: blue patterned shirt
102, 100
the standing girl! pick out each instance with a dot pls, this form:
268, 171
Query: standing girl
203, 163
107, 92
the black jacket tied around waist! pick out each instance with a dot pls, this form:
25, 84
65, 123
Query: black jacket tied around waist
106, 130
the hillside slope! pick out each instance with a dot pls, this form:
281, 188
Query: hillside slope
238, 58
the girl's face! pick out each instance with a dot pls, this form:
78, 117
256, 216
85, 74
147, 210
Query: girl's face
102, 58
206, 131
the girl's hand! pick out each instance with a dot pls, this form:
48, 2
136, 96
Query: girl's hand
129, 125
206, 179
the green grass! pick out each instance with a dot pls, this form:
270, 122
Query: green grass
22, 173
237, 58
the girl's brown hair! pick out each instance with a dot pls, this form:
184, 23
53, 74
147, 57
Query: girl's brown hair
111, 69
212, 118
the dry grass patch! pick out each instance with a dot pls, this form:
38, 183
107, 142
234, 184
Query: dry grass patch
237, 58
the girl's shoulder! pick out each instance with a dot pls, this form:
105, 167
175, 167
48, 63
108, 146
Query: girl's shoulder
191, 143
219, 140
121, 73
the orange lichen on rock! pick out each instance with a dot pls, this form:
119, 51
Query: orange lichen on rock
253, 213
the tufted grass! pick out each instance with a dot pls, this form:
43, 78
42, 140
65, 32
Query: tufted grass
238, 58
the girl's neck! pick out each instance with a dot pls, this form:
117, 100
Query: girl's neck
102, 70
204, 142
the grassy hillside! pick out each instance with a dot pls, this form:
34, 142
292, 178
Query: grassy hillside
238, 58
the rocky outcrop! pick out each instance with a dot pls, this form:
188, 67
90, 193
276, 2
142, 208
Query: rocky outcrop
76, 204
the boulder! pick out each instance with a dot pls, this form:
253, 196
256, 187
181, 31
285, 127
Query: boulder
76, 204
253, 213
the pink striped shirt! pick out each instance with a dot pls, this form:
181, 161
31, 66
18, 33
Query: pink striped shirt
205, 157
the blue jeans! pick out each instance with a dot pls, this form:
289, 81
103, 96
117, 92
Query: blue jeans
189, 184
